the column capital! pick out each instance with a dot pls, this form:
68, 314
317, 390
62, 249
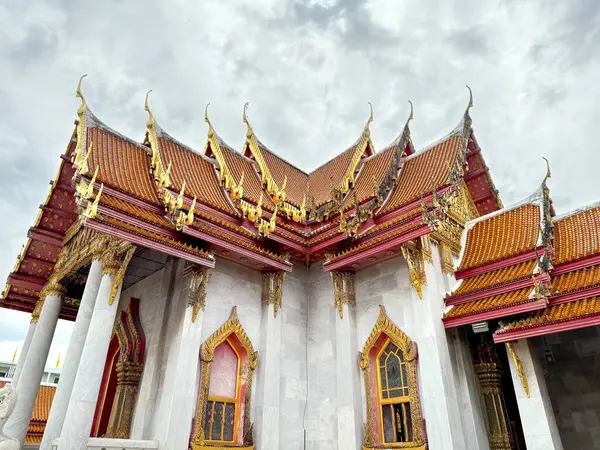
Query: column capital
198, 277
343, 286
115, 259
272, 290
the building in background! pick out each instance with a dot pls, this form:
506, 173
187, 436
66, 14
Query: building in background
227, 299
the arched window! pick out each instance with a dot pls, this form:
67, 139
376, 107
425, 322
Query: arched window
389, 365
227, 366
223, 395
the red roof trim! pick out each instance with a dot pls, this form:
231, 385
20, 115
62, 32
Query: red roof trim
496, 290
578, 294
498, 264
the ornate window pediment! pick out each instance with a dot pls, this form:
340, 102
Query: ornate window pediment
389, 365
227, 363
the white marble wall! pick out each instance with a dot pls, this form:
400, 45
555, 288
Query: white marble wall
292, 388
322, 385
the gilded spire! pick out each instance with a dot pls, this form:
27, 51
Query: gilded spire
211, 130
81, 124
79, 94
548, 173
470, 105
151, 121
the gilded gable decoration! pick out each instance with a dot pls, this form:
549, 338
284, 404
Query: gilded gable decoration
413, 254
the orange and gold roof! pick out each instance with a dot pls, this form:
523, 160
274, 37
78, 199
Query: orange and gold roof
573, 281
495, 278
323, 179
123, 164
577, 235
422, 171
578, 309
488, 239
490, 303
297, 180
196, 171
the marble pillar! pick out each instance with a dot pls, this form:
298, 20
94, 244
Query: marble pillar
537, 417
437, 388
35, 361
267, 430
179, 394
348, 393
24, 351
80, 411
67, 376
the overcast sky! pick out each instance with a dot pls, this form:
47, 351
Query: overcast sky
308, 67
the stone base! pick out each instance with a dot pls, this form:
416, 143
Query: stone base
398, 446
210, 447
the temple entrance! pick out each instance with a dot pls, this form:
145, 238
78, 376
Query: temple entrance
500, 413
121, 377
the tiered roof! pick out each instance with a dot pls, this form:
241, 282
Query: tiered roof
252, 207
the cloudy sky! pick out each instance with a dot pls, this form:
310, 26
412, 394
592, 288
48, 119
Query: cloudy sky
308, 67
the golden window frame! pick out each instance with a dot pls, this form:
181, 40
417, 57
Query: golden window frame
384, 326
207, 352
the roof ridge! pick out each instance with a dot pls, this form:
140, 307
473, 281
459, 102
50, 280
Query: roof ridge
267, 149
92, 121
576, 211
162, 133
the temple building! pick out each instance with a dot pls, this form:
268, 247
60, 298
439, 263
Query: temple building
225, 299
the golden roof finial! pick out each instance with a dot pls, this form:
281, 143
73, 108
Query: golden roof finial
548, 173
151, 120
92, 208
90, 189
79, 94
371, 113
283, 186
470, 105
410, 117
179, 202
211, 131
189, 218
245, 116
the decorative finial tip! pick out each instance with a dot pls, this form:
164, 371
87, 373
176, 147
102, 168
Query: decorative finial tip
410, 117
371, 112
206, 113
245, 116
470, 98
78, 91
146, 107
548, 173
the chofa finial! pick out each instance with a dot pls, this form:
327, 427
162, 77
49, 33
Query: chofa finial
548, 173
206, 119
79, 94
371, 113
410, 117
470, 105
245, 116
146, 107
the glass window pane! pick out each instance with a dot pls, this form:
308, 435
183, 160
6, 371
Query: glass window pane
404, 375
396, 393
388, 424
217, 422
384, 394
382, 375
229, 416
393, 371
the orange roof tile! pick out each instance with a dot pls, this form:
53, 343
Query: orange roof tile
423, 170
198, 173
371, 175
496, 277
328, 176
577, 235
135, 211
297, 180
489, 303
578, 279
123, 164
502, 235
565, 311
239, 164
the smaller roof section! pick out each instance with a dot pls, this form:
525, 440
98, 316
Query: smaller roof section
577, 234
503, 234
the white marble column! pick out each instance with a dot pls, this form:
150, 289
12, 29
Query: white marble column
179, 394
537, 416
80, 411
437, 388
266, 431
24, 351
73, 356
349, 408
35, 361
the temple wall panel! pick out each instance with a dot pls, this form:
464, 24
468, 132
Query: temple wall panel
571, 362
293, 390
321, 414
